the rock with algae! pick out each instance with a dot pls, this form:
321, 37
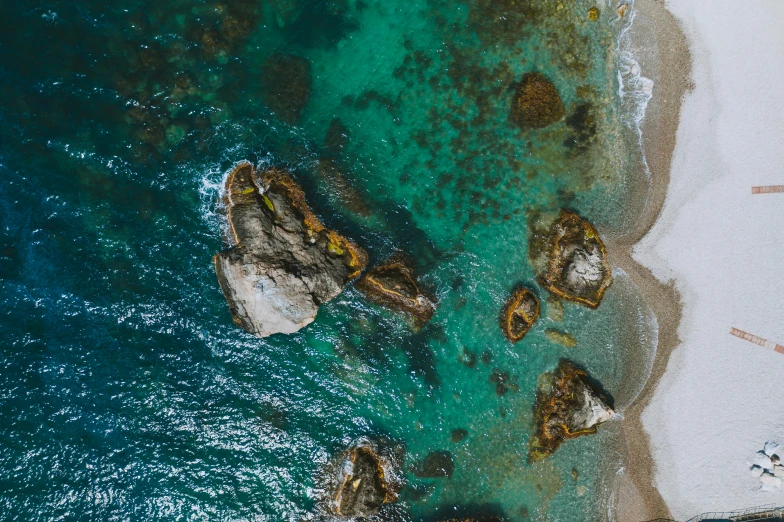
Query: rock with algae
567, 406
559, 337
577, 269
359, 482
392, 284
537, 103
519, 314
285, 263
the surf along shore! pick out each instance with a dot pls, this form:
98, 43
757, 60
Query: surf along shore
661, 49
710, 401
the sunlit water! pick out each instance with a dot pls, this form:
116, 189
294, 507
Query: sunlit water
125, 391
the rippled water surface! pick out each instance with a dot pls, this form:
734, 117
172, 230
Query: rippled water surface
125, 391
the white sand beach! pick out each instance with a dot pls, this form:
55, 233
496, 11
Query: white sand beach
721, 397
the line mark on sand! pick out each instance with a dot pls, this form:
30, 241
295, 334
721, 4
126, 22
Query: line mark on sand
757, 340
768, 189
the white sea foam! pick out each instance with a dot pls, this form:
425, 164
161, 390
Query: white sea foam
634, 89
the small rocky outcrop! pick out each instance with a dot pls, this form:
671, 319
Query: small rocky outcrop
577, 269
285, 263
361, 484
559, 337
392, 284
519, 314
537, 103
567, 406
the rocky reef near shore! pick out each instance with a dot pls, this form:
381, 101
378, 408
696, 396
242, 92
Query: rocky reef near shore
285, 262
392, 284
358, 482
519, 314
577, 268
568, 405
537, 103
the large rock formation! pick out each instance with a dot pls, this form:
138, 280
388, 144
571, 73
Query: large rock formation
537, 103
392, 284
362, 483
577, 269
285, 263
519, 314
567, 406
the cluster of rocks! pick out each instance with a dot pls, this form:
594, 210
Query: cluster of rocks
766, 465
285, 263
576, 269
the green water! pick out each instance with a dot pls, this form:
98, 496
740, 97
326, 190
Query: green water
127, 392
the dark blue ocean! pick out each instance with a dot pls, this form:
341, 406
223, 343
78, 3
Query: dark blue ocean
126, 393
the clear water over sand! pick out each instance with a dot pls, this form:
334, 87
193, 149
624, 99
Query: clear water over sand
127, 391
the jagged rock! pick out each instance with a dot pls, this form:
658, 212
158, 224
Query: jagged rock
519, 314
537, 103
567, 406
285, 85
438, 464
392, 284
285, 263
577, 269
559, 337
362, 484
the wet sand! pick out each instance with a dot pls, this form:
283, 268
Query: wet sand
662, 51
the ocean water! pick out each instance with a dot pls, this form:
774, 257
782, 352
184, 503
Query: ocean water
126, 393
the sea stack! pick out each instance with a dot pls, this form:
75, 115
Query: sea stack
577, 269
567, 406
285, 262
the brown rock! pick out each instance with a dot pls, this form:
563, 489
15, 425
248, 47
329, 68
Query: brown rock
577, 269
537, 103
392, 284
362, 484
519, 314
567, 406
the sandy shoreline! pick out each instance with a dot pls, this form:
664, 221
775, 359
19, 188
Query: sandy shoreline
708, 403
659, 46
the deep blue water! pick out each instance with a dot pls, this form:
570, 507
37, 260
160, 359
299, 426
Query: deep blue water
125, 391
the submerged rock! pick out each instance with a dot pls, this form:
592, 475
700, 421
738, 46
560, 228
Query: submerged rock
537, 103
362, 483
438, 464
567, 406
559, 337
519, 314
392, 284
577, 269
285, 263
286, 85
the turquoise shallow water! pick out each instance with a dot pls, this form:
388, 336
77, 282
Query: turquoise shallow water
127, 393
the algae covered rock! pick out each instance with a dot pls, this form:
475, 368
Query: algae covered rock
285, 85
519, 314
392, 284
537, 103
578, 269
359, 482
559, 337
285, 263
567, 406
438, 464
